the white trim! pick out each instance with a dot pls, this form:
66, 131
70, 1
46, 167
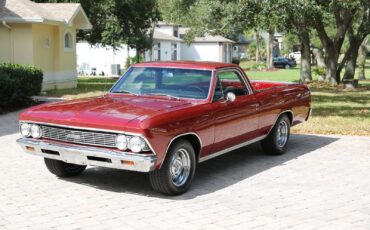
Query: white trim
73, 43
178, 136
80, 9
216, 154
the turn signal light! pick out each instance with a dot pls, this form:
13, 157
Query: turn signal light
29, 148
127, 162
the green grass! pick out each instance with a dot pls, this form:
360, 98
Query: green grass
86, 87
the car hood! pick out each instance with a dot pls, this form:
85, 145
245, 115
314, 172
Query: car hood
106, 112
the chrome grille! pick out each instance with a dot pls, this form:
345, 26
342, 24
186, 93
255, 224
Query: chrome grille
79, 136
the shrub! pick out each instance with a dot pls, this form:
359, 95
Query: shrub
236, 61
319, 71
259, 66
17, 84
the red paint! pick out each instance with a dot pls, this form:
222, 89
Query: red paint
219, 124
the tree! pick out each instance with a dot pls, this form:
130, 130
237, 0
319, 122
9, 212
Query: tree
296, 17
362, 59
356, 36
343, 14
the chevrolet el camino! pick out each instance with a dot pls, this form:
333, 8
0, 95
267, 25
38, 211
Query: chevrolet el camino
164, 118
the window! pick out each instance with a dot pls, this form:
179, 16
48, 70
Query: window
175, 33
174, 51
173, 82
229, 81
68, 41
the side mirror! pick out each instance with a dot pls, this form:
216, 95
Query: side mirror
230, 96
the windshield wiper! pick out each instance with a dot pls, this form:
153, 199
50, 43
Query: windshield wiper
165, 95
126, 92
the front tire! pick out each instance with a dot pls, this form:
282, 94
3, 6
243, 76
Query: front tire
287, 66
277, 141
177, 171
62, 169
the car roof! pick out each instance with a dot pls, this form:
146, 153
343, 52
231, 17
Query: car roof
186, 64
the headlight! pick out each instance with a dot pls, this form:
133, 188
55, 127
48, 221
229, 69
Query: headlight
25, 130
121, 142
137, 144
36, 131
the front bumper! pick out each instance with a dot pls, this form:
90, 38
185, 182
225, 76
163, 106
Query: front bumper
85, 155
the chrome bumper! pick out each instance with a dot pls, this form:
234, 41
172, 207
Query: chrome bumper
85, 155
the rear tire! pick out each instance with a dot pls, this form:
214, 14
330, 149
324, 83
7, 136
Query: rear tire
277, 141
62, 169
287, 66
177, 171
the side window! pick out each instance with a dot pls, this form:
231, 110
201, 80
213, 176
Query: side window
68, 41
229, 81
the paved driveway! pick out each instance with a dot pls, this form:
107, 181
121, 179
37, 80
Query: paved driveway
323, 182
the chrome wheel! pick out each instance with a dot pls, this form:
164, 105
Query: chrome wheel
180, 167
282, 133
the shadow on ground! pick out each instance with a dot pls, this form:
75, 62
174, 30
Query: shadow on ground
9, 123
211, 175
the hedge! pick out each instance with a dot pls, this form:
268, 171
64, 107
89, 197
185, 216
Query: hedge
17, 84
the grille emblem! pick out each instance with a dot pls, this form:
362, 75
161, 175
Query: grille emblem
73, 136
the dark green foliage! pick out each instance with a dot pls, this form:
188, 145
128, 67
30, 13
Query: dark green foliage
17, 84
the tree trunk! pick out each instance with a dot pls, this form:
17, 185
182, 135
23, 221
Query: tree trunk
331, 63
349, 73
319, 56
362, 60
306, 57
257, 47
269, 44
137, 56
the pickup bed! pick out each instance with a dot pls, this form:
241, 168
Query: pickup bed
163, 118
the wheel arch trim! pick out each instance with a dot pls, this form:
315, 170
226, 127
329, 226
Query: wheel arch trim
176, 138
279, 115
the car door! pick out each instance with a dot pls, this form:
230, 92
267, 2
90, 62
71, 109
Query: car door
235, 121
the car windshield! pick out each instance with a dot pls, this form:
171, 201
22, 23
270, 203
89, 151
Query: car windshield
170, 82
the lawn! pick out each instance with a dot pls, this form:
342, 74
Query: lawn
86, 87
335, 111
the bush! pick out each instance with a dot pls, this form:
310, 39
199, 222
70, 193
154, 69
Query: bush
259, 66
17, 84
319, 71
236, 61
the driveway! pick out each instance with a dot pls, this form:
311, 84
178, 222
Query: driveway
322, 182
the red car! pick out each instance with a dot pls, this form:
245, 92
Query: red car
163, 118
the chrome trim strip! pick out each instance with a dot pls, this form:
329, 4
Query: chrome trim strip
216, 154
71, 153
285, 111
309, 114
176, 137
92, 129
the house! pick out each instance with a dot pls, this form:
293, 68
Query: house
169, 45
44, 35
165, 47
101, 60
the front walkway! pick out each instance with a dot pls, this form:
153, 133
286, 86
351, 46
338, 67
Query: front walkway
321, 183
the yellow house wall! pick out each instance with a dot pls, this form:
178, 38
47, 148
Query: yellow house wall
58, 63
43, 46
21, 35
5, 44
43, 39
